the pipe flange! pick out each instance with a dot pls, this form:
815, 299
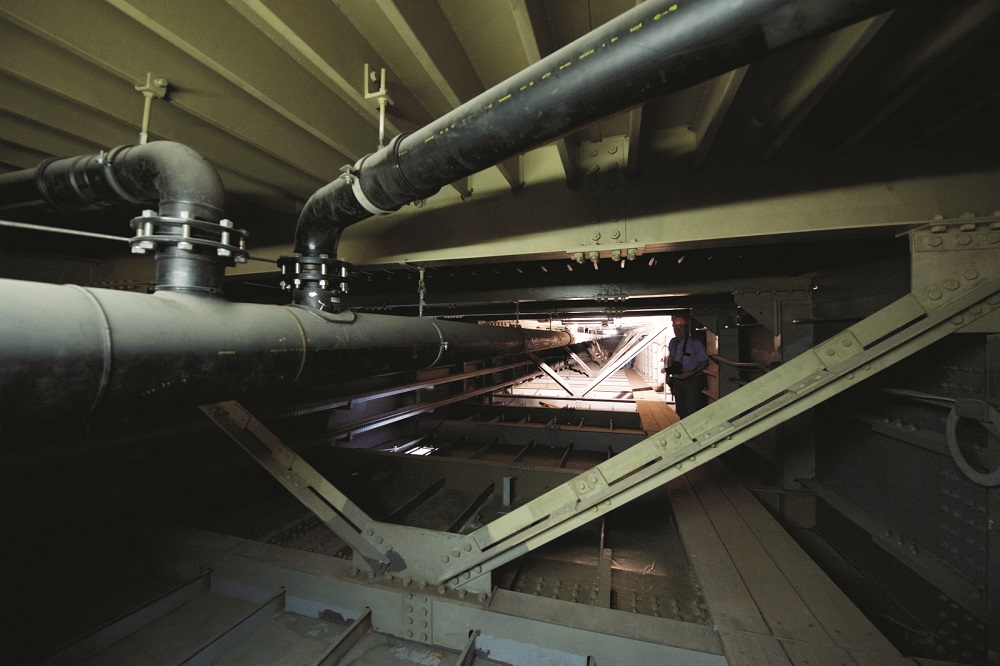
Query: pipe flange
318, 281
989, 418
154, 232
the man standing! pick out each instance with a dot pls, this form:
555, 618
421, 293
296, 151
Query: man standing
685, 367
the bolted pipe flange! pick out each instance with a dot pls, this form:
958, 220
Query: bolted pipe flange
317, 282
189, 234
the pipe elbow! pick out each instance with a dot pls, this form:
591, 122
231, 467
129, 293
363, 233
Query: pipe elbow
326, 214
172, 173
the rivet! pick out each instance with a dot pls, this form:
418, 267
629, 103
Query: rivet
846, 343
369, 532
933, 294
994, 299
970, 274
409, 620
409, 608
482, 596
934, 241
677, 435
957, 319
407, 581
993, 237
831, 352
423, 637
951, 284
467, 547
456, 552
850, 376
581, 485
422, 585
964, 239
445, 558
976, 309
409, 633
593, 478
477, 569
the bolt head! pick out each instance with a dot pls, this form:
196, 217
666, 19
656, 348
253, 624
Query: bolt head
184, 245
224, 252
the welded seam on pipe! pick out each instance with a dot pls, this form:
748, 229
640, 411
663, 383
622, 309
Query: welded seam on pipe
442, 347
305, 343
109, 174
106, 370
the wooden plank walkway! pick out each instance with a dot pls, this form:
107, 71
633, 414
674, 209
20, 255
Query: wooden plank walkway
655, 414
770, 602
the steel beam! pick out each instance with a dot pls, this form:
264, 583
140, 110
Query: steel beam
552, 374
626, 353
956, 284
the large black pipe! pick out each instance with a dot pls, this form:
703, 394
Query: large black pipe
69, 350
183, 183
181, 180
659, 47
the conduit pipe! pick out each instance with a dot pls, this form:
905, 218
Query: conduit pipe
70, 350
659, 47
192, 247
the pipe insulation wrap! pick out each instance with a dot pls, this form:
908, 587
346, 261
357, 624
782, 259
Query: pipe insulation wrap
69, 350
659, 47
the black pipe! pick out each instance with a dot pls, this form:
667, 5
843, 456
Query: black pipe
186, 186
181, 180
69, 350
659, 47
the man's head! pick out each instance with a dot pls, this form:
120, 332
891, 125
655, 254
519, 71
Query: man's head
680, 325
